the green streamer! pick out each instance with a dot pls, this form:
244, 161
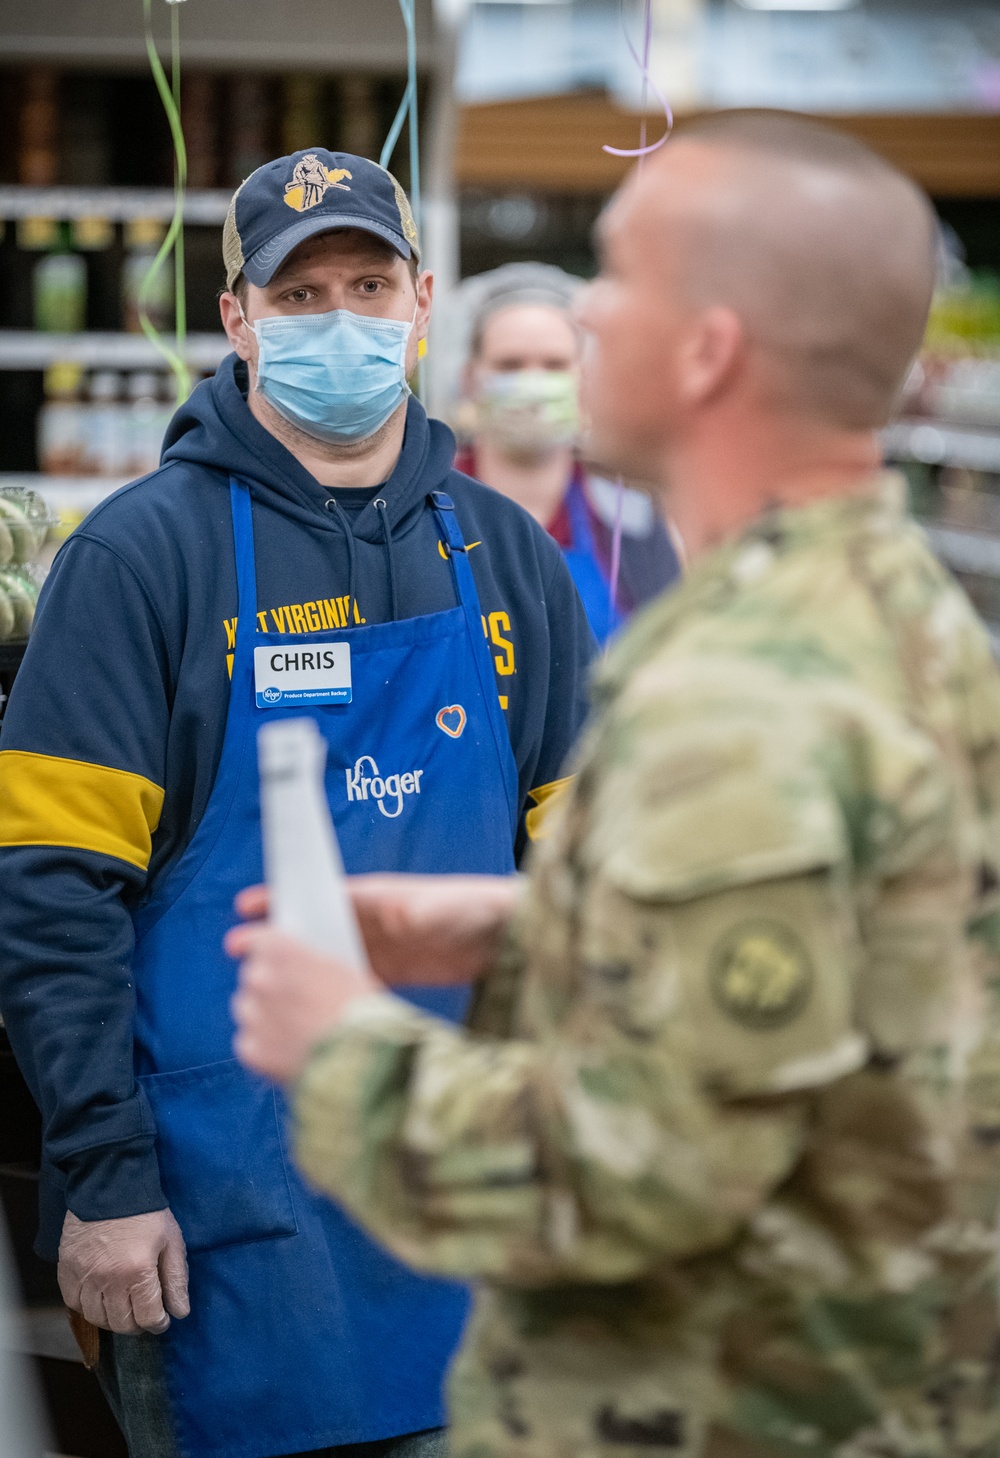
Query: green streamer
170, 95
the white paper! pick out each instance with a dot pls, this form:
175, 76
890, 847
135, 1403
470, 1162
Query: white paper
302, 861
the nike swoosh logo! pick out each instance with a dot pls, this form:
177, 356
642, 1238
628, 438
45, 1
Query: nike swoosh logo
468, 547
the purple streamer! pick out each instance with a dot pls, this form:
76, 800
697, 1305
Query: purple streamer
641, 152
648, 84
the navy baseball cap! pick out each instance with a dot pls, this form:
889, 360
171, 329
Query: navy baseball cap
291, 199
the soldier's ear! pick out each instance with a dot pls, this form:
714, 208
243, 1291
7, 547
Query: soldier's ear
709, 354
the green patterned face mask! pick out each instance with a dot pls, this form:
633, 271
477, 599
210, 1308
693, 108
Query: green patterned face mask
528, 410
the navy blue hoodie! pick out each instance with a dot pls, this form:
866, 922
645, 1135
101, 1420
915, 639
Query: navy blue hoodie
115, 724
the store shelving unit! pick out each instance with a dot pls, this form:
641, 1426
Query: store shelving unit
206, 206
31, 349
969, 549
943, 443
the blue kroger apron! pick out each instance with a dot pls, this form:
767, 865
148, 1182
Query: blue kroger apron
302, 1332
586, 570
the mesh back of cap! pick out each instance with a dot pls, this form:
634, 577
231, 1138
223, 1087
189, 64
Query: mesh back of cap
232, 247
406, 222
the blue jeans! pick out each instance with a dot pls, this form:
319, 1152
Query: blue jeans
130, 1372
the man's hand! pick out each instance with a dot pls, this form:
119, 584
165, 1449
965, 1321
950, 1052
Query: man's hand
289, 999
423, 931
125, 1275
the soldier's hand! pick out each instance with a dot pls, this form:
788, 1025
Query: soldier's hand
423, 931
289, 998
127, 1275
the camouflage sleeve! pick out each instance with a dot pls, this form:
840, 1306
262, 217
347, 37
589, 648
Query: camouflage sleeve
690, 961
612, 1143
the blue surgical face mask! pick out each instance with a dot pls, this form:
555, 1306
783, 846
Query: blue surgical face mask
336, 376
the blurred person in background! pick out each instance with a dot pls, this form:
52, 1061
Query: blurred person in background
521, 416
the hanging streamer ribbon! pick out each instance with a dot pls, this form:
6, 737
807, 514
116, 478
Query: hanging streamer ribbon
170, 95
648, 84
407, 109
641, 153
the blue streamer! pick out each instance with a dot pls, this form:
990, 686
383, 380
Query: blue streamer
408, 112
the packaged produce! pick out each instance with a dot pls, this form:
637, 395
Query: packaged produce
7, 619
22, 595
26, 520
25, 523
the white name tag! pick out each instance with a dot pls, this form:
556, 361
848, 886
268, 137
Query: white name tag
317, 674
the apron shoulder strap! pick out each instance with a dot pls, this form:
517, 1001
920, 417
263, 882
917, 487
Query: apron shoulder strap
246, 567
444, 509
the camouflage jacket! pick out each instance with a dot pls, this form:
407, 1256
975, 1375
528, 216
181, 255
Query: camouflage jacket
722, 1152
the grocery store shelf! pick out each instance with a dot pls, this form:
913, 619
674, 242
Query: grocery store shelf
963, 551
117, 204
939, 443
30, 349
36, 481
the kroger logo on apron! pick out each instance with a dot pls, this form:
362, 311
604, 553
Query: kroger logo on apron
391, 788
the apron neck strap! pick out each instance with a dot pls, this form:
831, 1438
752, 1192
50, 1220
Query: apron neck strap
451, 534
246, 565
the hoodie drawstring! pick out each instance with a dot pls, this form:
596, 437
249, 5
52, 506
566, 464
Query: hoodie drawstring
380, 507
333, 505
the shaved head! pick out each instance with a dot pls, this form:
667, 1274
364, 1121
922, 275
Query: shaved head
764, 286
825, 251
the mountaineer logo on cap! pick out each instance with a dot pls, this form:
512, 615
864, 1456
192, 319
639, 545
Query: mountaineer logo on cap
310, 181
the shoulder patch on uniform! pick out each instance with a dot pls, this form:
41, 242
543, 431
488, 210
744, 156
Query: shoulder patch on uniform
761, 975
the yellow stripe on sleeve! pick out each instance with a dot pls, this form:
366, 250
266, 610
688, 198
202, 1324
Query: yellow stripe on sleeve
546, 798
45, 800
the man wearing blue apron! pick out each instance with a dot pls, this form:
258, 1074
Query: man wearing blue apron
305, 547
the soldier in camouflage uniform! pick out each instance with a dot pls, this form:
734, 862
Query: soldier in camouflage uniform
720, 1149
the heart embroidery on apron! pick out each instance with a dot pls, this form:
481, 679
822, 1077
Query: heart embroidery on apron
452, 720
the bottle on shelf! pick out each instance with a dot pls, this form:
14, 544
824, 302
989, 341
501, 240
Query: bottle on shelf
301, 116
38, 128
37, 234
85, 145
199, 113
61, 422
92, 234
105, 426
59, 289
250, 100
359, 122
143, 237
148, 418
